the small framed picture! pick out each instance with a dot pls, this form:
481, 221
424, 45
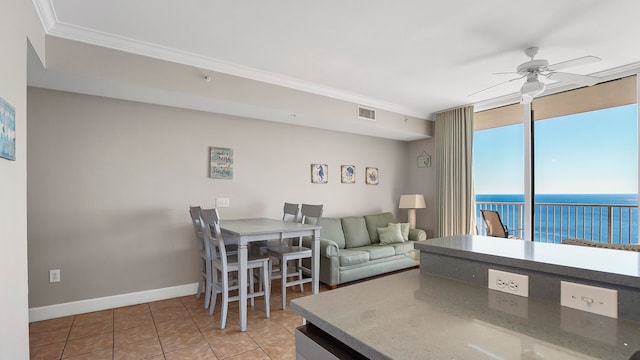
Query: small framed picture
7, 130
348, 174
319, 173
371, 176
424, 160
220, 163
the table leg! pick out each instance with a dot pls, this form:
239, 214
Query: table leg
315, 262
242, 284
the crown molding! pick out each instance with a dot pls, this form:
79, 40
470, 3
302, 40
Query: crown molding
46, 13
54, 27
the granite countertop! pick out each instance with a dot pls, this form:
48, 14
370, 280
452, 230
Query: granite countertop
414, 315
604, 265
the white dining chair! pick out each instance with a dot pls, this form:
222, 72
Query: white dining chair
224, 264
293, 250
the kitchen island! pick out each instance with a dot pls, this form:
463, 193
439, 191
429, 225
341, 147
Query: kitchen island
417, 315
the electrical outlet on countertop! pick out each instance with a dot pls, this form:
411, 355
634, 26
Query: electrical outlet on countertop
510, 283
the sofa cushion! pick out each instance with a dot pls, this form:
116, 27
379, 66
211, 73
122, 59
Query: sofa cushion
355, 232
332, 230
377, 221
403, 247
378, 251
404, 229
390, 234
353, 257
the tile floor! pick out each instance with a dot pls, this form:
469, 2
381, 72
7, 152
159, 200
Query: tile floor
178, 328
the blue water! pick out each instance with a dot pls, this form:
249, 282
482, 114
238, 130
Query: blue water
566, 220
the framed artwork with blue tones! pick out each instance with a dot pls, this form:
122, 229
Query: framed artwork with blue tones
371, 175
7, 130
319, 173
220, 163
348, 173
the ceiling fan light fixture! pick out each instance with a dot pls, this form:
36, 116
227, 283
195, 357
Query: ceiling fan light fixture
532, 88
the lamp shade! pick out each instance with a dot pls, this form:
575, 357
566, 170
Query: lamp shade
412, 202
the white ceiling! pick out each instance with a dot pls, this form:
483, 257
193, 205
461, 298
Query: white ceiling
412, 57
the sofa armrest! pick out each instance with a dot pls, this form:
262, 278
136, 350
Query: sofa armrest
328, 248
417, 234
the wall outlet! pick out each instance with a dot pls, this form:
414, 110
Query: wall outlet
222, 202
592, 299
54, 276
509, 283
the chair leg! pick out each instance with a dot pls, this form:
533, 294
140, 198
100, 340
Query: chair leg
207, 295
283, 280
252, 302
225, 300
214, 290
200, 286
300, 275
267, 287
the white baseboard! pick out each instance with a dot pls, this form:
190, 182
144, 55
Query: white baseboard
110, 302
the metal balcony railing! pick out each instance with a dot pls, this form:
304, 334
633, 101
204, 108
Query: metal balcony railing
613, 224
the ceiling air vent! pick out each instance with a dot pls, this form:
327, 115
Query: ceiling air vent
368, 114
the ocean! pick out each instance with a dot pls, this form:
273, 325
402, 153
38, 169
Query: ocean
565, 216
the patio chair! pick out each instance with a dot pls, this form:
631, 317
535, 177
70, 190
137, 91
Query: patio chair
495, 227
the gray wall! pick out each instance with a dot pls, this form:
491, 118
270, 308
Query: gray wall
422, 180
110, 183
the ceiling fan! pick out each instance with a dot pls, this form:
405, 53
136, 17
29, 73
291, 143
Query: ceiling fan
540, 67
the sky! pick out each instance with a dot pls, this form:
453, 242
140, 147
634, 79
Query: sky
588, 153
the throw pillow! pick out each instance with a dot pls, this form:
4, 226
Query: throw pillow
390, 234
404, 229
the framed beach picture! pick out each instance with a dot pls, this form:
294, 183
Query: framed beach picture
371, 176
348, 174
7, 130
319, 173
220, 163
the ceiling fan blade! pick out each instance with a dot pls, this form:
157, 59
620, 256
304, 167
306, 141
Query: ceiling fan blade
585, 80
573, 62
496, 85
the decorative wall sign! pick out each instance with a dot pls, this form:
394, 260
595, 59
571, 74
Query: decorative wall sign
371, 176
348, 173
7, 130
424, 160
221, 163
319, 173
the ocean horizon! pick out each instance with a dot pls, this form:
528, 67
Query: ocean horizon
566, 216
608, 199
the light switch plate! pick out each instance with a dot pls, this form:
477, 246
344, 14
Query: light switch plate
593, 299
222, 202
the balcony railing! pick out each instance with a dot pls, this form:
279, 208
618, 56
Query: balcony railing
613, 224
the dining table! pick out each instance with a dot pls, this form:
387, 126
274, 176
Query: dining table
244, 231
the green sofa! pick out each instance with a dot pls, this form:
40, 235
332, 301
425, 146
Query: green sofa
351, 248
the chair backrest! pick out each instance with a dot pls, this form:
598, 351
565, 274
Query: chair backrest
194, 211
290, 212
210, 223
311, 213
494, 224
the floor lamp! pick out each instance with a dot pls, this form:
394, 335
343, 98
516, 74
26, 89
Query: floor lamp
412, 202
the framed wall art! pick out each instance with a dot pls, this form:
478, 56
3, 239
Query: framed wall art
7, 130
348, 174
220, 163
424, 160
319, 173
371, 175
